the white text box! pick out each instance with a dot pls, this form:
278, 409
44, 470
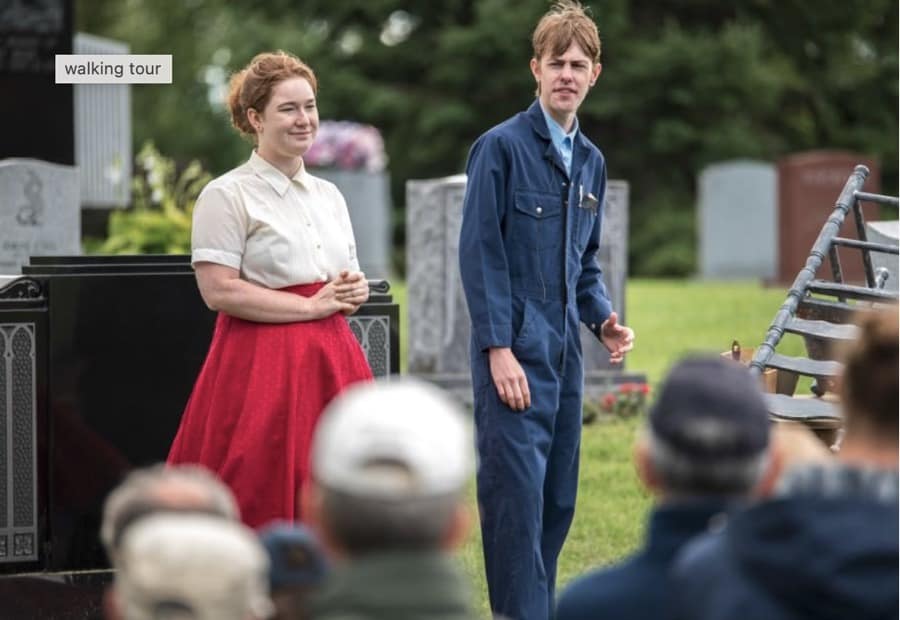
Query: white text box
113, 68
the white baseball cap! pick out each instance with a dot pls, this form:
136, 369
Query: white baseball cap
393, 439
204, 567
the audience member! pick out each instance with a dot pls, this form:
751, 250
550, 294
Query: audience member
797, 446
297, 568
181, 488
704, 447
189, 566
390, 464
826, 545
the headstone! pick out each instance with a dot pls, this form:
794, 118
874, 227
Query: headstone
39, 212
37, 111
887, 232
438, 318
369, 203
737, 220
809, 185
613, 256
103, 133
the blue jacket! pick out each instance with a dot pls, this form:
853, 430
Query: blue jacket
637, 589
792, 558
529, 230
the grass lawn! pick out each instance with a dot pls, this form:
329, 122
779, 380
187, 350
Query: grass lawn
670, 318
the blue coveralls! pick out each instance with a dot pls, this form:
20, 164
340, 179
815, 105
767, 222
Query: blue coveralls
527, 258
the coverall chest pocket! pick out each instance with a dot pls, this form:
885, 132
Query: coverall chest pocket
584, 225
537, 220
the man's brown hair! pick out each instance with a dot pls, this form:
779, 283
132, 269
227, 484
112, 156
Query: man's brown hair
566, 22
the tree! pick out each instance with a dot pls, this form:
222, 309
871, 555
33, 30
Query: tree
685, 83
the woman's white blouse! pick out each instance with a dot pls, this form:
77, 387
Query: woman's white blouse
277, 231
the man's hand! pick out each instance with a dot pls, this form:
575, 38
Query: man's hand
509, 379
618, 339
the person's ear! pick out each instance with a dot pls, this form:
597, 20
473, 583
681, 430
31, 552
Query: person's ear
535, 65
112, 608
773, 470
643, 464
595, 73
458, 529
312, 512
255, 119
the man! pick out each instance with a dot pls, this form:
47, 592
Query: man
181, 489
826, 545
705, 446
297, 567
190, 566
390, 463
528, 244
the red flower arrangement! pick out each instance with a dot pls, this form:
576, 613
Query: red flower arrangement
627, 400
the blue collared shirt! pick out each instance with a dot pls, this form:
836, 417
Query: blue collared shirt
561, 140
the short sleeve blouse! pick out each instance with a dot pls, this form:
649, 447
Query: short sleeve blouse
277, 231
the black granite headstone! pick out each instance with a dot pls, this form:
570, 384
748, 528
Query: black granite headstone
38, 113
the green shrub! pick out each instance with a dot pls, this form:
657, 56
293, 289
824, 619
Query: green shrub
664, 245
159, 221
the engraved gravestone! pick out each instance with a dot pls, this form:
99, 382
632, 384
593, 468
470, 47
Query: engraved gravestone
438, 318
809, 184
37, 111
39, 212
737, 220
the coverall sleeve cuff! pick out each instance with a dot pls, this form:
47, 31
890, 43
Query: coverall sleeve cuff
594, 318
489, 336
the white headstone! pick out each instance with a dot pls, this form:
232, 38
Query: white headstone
369, 203
39, 212
737, 220
102, 132
887, 232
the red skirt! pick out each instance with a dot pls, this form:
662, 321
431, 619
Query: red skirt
251, 416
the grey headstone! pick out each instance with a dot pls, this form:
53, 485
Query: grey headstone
369, 203
39, 212
738, 220
887, 232
613, 256
437, 315
103, 132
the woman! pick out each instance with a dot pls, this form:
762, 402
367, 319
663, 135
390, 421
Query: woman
274, 254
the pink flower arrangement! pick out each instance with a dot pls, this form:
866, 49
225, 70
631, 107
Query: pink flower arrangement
347, 145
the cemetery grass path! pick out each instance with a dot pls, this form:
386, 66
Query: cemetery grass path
671, 318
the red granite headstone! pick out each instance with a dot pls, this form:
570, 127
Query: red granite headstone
809, 184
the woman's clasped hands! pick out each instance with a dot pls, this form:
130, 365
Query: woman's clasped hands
347, 292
